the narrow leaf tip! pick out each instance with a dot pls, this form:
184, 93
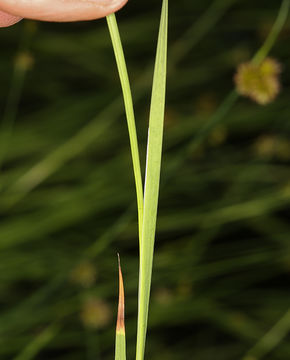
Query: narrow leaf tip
120, 329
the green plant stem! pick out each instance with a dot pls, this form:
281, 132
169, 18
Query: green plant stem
233, 96
38, 343
272, 37
271, 339
120, 347
121, 64
215, 119
152, 179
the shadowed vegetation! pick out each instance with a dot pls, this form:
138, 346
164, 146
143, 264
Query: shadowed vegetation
220, 286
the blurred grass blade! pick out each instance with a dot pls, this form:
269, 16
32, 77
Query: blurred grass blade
154, 152
38, 343
272, 37
271, 339
120, 349
121, 64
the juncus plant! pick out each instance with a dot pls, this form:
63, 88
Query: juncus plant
257, 79
147, 203
12, 11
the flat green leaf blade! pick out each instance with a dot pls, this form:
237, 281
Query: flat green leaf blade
152, 178
128, 102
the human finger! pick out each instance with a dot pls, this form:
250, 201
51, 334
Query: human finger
59, 10
7, 19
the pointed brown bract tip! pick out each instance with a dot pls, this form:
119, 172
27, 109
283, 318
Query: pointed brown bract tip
121, 307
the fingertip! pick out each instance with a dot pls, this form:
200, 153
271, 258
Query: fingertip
61, 10
7, 19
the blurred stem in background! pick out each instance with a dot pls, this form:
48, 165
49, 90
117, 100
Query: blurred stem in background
272, 37
271, 339
198, 31
38, 343
233, 96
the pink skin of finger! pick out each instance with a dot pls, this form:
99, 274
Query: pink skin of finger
11, 11
7, 20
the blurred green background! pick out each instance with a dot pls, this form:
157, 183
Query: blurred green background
222, 264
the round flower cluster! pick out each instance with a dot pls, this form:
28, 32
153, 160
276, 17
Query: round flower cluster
259, 82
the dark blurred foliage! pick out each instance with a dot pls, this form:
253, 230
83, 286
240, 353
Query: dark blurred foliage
222, 263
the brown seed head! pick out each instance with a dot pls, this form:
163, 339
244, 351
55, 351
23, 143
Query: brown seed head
260, 82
